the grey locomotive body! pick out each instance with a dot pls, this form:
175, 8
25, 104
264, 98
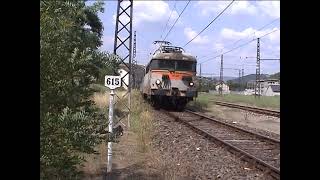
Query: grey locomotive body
170, 78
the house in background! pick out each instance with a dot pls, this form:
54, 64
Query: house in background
225, 88
269, 84
268, 87
272, 90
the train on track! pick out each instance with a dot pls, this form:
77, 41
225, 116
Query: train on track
170, 77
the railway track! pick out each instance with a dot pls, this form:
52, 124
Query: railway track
262, 151
250, 108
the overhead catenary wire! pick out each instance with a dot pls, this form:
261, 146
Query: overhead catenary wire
269, 33
209, 23
239, 46
176, 20
246, 36
168, 19
228, 51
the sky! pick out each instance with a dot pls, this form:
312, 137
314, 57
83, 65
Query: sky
242, 22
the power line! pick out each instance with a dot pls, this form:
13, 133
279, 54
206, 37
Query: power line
176, 20
228, 51
268, 24
209, 24
239, 46
269, 33
248, 35
168, 19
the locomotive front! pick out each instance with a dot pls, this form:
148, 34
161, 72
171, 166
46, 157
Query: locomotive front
170, 78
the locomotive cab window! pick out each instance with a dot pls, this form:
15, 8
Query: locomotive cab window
185, 66
173, 65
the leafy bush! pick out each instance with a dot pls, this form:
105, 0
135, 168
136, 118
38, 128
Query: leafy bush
62, 137
70, 34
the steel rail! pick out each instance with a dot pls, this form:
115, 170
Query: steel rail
259, 163
250, 108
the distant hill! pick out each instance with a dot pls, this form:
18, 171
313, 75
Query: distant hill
225, 78
252, 77
275, 76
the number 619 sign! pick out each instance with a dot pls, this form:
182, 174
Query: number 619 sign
112, 82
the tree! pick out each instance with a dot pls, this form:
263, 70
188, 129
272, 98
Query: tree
233, 86
70, 34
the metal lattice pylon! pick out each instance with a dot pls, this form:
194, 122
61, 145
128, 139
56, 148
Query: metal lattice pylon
221, 76
257, 88
134, 62
123, 46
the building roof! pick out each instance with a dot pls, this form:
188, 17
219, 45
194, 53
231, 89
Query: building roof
224, 84
275, 88
268, 80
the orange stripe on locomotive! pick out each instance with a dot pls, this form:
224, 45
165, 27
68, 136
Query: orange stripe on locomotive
177, 75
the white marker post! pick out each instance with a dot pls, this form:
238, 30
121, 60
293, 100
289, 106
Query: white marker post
111, 82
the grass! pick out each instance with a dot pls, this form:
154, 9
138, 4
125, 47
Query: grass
99, 87
199, 104
141, 126
101, 100
141, 121
94, 164
272, 102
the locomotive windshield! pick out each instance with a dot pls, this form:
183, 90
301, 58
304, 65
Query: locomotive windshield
176, 65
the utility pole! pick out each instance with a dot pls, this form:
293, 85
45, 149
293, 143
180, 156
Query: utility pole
242, 83
110, 130
257, 84
221, 76
123, 49
200, 80
134, 61
239, 79
123, 45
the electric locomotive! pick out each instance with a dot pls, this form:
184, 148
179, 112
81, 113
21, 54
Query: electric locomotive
170, 77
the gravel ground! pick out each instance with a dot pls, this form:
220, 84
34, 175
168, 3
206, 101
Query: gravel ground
263, 124
224, 133
187, 155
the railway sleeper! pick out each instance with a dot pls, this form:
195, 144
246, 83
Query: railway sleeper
253, 142
228, 146
255, 148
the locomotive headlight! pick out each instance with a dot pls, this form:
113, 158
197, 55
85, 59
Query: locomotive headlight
191, 84
158, 82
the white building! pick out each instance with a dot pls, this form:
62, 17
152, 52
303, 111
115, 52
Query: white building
272, 85
272, 90
268, 87
248, 92
225, 88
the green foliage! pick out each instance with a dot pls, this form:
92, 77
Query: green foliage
233, 86
62, 137
200, 103
206, 85
98, 88
106, 63
70, 34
